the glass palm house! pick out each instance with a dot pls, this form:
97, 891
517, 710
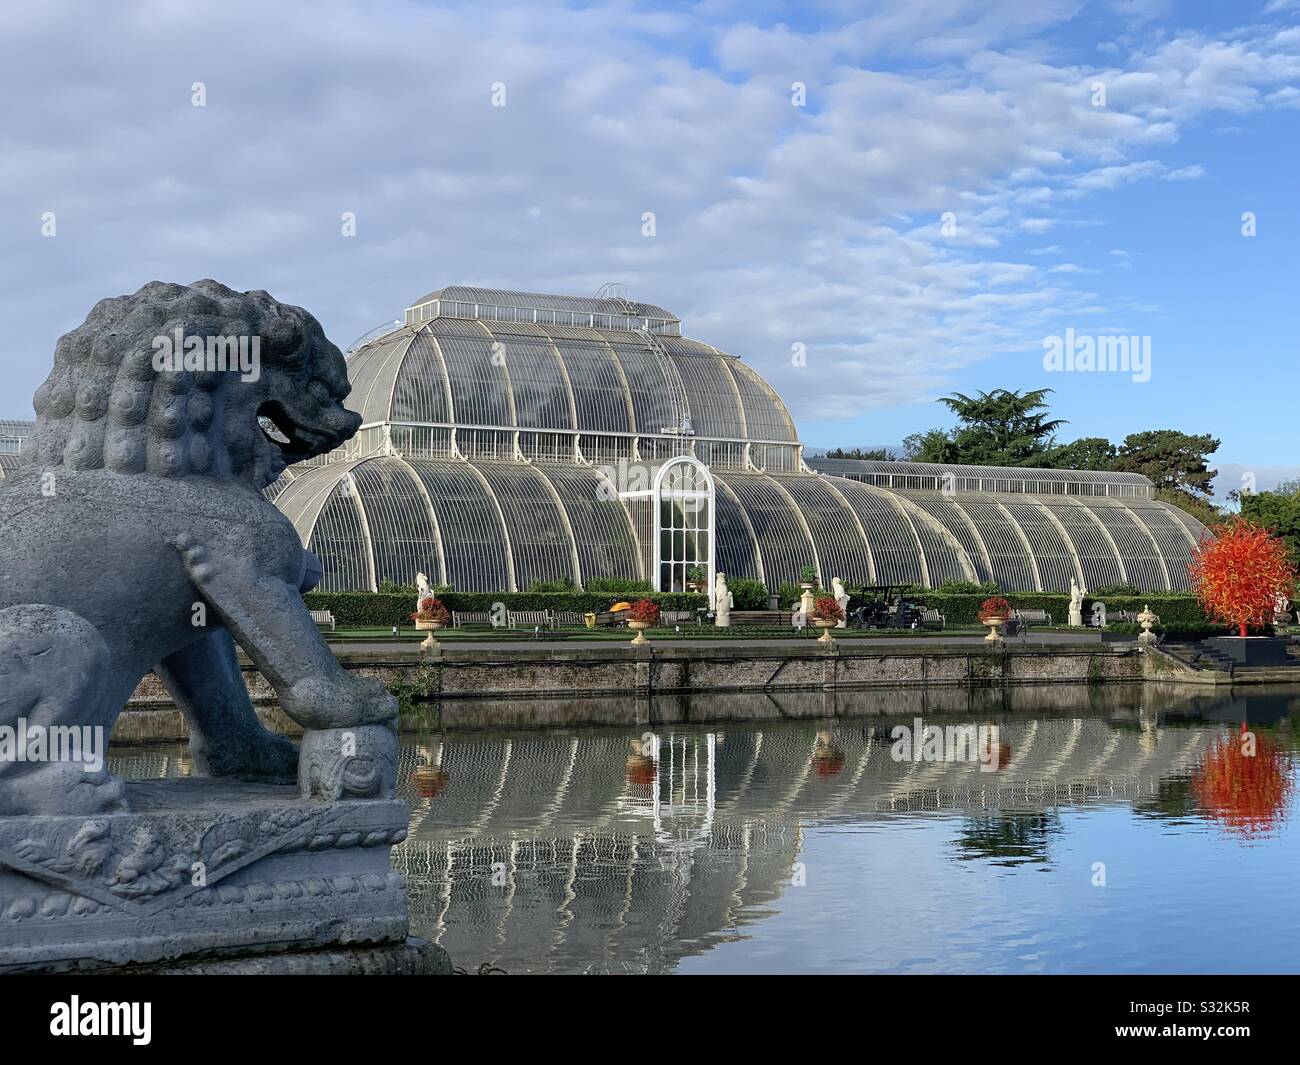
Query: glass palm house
510, 438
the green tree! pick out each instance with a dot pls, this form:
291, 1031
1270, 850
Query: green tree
1002, 427
1086, 453
879, 454
1201, 509
1171, 460
930, 446
1279, 511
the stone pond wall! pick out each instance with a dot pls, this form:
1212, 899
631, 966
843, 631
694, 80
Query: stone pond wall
530, 679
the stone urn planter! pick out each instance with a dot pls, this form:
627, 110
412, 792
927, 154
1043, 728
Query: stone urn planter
994, 612
642, 615
1147, 619
826, 614
430, 627
430, 616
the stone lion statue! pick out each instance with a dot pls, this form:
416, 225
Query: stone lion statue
134, 537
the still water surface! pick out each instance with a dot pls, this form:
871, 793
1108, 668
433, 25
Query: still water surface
1113, 838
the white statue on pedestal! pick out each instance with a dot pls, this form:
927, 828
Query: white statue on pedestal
1281, 610
841, 597
722, 602
804, 609
1076, 604
424, 590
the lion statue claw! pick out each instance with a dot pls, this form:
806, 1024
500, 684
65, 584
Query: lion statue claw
165, 415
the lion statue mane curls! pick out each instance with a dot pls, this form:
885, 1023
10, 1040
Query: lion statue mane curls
134, 537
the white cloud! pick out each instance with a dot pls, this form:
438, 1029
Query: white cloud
775, 223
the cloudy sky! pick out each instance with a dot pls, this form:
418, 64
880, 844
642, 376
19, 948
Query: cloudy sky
957, 181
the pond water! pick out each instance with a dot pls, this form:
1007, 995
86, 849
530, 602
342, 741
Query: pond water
1129, 834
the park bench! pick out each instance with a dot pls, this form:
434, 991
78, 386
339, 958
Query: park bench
461, 618
1031, 617
932, 619
324, 619
528, 619
679, 617
771, 619
569, 619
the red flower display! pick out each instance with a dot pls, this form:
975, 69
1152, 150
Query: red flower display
1239, 571
1246, 792
827, 608
644, 610
994, 607
431, 609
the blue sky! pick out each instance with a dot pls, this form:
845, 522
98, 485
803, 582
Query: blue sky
776, 225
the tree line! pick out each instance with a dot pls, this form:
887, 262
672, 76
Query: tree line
1009, 428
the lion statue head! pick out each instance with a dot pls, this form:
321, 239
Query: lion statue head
192, 380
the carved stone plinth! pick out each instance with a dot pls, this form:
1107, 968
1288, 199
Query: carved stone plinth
199, 868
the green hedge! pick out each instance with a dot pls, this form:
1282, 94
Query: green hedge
748, 593
961, 609
1182, 632
369, 610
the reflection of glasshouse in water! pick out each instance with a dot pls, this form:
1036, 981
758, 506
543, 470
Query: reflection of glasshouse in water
563, 850
510, 438
646, 849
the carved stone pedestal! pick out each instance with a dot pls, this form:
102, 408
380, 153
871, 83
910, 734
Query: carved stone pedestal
240, 877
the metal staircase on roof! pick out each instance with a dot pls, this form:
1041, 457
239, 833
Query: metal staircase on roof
616, 291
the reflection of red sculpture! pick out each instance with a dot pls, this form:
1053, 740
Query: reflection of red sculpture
1239, 572
1247, 793
640, 772
429, 781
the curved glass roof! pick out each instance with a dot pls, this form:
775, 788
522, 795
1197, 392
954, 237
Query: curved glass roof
498, 297
486, 526
501, 526
520, 375
994, 478
487, 414
12, 436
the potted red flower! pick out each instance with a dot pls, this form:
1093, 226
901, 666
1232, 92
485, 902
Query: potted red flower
994, 612
642, 615
827, 613
431, 616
